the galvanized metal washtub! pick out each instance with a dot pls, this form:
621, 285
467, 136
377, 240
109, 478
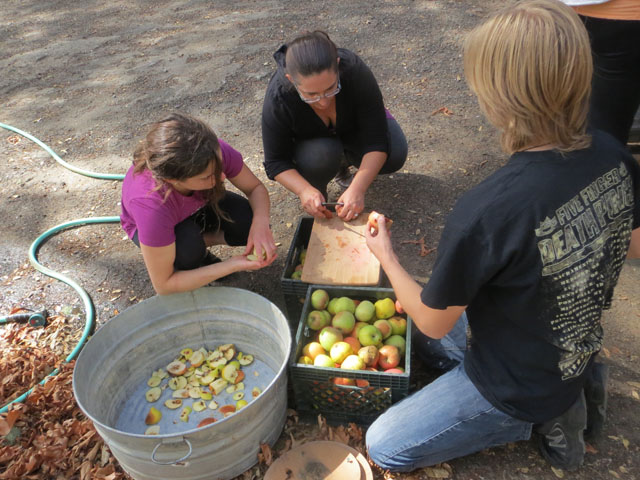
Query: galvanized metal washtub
119, 358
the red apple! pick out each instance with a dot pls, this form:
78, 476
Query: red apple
384, 326
398, 342
389, 357
394, 370
372, 221
399, 308
353, 341
312, 350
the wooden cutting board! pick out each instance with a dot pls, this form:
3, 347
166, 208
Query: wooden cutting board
337, 254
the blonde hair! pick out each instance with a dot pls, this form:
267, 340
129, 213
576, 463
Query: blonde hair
530, 66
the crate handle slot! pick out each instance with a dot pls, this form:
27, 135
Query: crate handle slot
172, 462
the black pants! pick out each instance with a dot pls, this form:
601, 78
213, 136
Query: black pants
615, 45
319, 159
190, 247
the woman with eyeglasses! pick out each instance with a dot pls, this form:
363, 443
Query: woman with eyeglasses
323, 112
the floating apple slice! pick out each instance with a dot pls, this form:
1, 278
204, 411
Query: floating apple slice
153, 430
161, 373
177, 383
241, 404
230, 372
194, 392
238, 396
228, 350
215, 355
227, 410
173, 403
255, 392
213, 405
204, 395
220, 362
235, 388
184, 414
197, 359
153, 394
186, 353
199, 405
218, 386
193, 382
176, 368
245, 360
181, 393
206, 421
154, 381
206, 379
153, 416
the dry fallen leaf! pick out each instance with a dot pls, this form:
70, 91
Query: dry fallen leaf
443, 110
557, 472
436, 472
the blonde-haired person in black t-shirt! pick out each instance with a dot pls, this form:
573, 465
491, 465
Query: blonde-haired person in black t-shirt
528, 260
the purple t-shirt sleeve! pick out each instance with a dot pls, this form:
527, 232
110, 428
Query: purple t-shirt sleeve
232, 159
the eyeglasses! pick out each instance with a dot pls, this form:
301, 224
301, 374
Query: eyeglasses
317, 98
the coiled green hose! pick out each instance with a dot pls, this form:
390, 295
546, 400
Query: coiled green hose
90, 313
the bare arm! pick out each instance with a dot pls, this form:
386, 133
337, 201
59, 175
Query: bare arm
310, 198
260, 235
165, 279
353, 197
634, 248
432, 322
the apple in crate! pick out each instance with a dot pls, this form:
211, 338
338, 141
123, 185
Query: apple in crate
344, 304
389, 357
329, 336
353, 362
340, 351
384, 326
365, 311
353, 341
316, 320
369, 355
319, 299
369, 335
385, 308
398, 342
323, 360
344, 321
312, 350
398, 326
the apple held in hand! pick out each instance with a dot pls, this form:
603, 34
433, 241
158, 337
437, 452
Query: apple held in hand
372, 222
389, 357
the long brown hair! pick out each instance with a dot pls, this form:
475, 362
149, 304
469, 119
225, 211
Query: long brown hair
179, 147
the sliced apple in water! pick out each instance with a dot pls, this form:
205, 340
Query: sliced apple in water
218, 386
173, 403
241, 404
238, 396
184, 414
153, 416
176, 383
199, 405
245, 360
215, 355
194, 392
230, 372
153, 394
153, 430
227, 410
213, 405
181, 393
228, 350
186, 353
204, 395
197, 359
176, 368
206, 379
255, 392
206, 421
154, 381
160, 373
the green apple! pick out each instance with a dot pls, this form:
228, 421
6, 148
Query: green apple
385, 308
345, 303
365, 311
344, 321
329, 336
320, 299
331, 307
398, 342
384, 326
398, 326
369, 335
316, 320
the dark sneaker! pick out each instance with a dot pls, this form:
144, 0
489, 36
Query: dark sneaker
561, 439
595, 392
344, 176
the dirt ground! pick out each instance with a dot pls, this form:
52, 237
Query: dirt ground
88, 77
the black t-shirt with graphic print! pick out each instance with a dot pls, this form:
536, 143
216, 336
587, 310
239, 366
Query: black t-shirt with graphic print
535, 251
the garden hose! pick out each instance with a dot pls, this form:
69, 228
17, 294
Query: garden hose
86, 299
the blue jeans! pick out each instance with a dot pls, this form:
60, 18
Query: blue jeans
447, 419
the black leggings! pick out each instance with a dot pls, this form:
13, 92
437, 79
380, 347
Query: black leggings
190, 247
615, 45
319, 159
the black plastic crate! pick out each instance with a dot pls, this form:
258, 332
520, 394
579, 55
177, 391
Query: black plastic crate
314, 391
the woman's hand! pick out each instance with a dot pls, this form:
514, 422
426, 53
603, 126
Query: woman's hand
260, 240
353, 200
311, 200
241, 263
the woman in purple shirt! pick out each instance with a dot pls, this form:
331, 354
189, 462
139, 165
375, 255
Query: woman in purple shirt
174, 206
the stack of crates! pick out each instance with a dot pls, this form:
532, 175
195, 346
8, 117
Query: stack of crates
314, 389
